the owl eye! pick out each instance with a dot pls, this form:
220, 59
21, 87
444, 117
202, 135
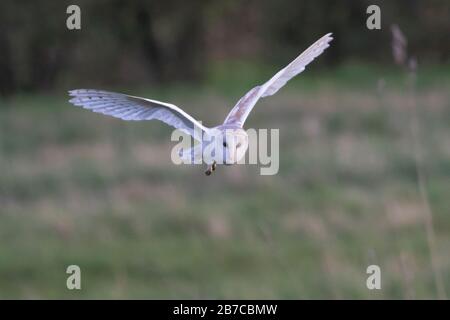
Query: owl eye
224, 144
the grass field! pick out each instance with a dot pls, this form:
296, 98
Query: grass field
81, 188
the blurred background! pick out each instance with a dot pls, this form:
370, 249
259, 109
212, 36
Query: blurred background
364, 152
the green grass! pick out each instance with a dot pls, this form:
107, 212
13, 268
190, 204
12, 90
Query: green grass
81, 188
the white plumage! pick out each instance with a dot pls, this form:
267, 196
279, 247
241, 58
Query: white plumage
244, 106
128, 107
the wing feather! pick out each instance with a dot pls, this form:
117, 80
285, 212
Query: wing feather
242, 109
128, 107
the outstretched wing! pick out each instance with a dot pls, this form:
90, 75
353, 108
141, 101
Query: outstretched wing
242, 109
135, 108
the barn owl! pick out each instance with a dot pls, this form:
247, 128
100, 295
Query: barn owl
230, 138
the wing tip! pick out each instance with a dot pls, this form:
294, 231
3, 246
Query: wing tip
76, 102
75, 92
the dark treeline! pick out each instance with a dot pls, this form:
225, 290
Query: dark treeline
162, 41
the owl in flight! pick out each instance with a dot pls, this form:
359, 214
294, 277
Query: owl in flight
233, 138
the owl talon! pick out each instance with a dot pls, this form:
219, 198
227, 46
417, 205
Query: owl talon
211, 168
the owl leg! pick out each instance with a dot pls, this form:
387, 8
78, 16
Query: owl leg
211, 168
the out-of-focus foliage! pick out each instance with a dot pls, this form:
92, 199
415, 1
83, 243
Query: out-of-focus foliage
138, 42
